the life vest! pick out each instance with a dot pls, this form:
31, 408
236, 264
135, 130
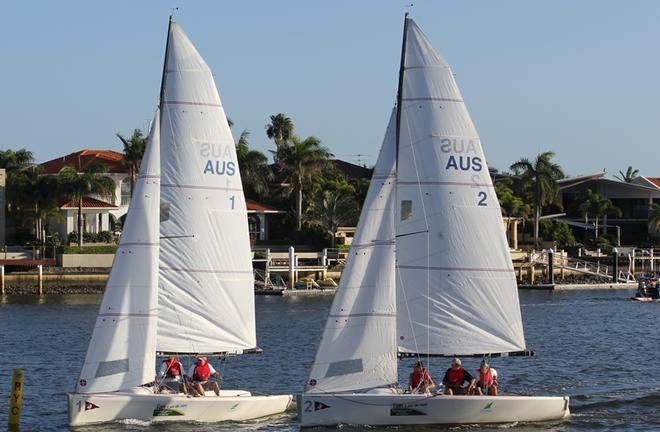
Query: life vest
486, 379
419, 377
202, 372
456, 377
173, 367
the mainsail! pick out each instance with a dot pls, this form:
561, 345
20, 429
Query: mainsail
121, 351
358, 348
456, 288
206, 293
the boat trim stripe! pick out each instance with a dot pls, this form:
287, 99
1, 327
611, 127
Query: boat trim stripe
477, 269
182, 186
192, 103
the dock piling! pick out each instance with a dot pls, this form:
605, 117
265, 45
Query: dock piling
292, 255
40, 268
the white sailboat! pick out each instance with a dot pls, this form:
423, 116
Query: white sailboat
428, 273
181, 281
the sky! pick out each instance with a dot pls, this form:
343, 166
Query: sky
579, 78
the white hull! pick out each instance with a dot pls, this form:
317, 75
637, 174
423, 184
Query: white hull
235, 405
406, 409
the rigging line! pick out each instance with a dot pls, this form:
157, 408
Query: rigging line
428, 240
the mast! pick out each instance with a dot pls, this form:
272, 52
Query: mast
399, 94
167, 51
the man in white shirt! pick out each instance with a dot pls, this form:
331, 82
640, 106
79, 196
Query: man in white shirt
200, 372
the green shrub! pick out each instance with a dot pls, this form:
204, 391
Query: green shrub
104, 237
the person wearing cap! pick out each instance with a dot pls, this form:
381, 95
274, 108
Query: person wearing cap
455, 377
486, 380
420, 380
199, 373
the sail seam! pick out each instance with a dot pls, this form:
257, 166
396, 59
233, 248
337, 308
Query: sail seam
442, 183
192, 270
148, 176
366, 314
126, 315
182, 186
484, 269
138, 244
192, 103
432, 99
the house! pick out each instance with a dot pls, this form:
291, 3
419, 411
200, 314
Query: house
633, 199
101, 214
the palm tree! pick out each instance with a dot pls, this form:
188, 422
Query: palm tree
510, 204
333, 204
539, 179
280, 130
134, 148
654, 219
629, 176
300, 161
597, 205
89, 182
255, 171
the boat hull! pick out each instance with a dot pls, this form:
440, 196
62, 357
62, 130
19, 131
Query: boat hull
234, 405
407, 409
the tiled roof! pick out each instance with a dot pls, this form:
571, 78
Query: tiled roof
253, 206
654, 180
89, 202
114, 161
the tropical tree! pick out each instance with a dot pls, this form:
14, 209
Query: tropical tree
134, 148
255, 171
38, 199
539, 179
629, 176
300, 161
654, 219
596, 205
89, 182
280, 130
332, 205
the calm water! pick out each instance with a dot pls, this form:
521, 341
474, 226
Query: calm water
595, 346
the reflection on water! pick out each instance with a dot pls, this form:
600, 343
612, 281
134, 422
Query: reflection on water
595, 346
52, 299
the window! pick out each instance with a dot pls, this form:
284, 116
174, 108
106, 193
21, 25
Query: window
126, 191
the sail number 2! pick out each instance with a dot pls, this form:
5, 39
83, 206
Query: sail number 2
482, 198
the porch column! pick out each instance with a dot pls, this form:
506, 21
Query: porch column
262, 226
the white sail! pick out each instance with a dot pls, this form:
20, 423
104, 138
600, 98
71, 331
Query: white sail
121, 352
206, 296
456, 288
358, 348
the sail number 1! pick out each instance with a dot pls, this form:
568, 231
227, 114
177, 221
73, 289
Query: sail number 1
232, 199
482, 198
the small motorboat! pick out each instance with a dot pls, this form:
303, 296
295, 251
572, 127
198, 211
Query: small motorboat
647, 290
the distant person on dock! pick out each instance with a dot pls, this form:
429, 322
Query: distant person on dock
455, 377
420, 380
200, 373
486, 380
170, 375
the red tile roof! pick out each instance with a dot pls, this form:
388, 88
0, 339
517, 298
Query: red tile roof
89, 202
114, 161
654, 180
253, 206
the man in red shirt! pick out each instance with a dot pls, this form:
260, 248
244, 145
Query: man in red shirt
455, 377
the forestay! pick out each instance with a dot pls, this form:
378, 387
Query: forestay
358, 347
206, 298
456, 289
121, 351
